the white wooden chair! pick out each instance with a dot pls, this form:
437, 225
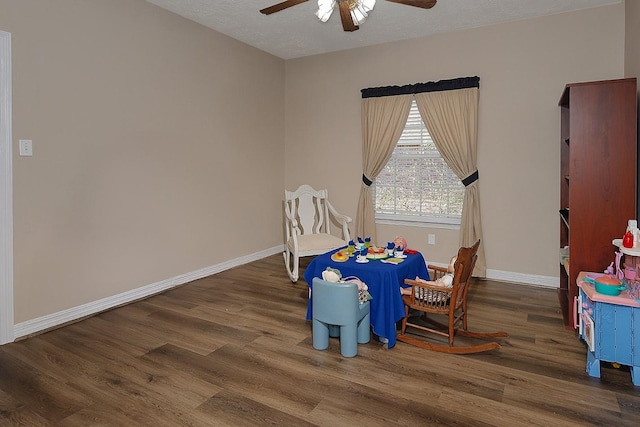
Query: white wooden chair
308, 217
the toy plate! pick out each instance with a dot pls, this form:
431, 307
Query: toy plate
333, 258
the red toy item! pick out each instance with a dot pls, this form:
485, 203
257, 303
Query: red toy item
627, 240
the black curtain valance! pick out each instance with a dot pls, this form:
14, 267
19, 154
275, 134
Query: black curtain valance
452, 84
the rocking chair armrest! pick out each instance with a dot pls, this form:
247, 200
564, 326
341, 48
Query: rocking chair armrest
433, 287
437, 271
437, 268
343, 219
337, 215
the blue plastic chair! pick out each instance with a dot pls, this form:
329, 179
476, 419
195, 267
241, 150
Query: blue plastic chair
336, 311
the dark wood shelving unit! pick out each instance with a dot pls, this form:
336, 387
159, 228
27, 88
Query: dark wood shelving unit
600, 120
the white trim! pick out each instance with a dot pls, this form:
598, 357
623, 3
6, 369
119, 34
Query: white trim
6, 194
527, 279
518, 278
49, 321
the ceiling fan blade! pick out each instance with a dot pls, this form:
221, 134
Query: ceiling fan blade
345, 16
280, 6
425, 4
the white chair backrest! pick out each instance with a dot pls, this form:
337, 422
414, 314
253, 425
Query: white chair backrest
310, 208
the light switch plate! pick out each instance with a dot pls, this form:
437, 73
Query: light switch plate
26, 147
432, 239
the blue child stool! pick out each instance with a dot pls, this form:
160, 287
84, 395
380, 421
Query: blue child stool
336, 311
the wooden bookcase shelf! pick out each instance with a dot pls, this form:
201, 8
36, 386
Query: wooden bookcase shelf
598, 176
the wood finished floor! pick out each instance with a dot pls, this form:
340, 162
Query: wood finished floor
234, 349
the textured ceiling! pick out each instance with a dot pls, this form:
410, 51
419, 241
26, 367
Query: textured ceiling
296, 32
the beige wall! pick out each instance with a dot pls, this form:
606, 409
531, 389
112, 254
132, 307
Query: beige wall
632, 51
632, 39
158, 149
523, 67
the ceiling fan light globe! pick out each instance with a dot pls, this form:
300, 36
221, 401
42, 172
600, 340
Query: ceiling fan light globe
325, 8
367, 5
359, 10
358, 15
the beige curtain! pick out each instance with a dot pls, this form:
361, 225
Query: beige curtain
452, 119
383, 120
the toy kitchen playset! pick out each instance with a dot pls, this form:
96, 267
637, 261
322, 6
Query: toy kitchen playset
607, 311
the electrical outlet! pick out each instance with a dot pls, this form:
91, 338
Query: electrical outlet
26, 147
432, 239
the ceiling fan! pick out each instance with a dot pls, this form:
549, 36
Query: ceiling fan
352, 12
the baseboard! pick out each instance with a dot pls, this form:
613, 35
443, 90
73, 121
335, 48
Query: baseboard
525, 279
50, 321
34, 326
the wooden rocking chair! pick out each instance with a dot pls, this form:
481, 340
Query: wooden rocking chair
428, 298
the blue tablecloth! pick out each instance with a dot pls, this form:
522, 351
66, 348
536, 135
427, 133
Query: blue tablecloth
384, 282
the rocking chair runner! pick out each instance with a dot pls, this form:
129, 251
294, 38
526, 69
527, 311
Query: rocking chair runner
428, 298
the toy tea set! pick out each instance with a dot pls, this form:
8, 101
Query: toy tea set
364, 251
620, 276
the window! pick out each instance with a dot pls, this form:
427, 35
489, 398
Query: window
416, 185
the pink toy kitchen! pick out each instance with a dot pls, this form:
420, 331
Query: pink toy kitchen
607, 309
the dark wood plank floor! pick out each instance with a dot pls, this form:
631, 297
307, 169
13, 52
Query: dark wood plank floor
234, 349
